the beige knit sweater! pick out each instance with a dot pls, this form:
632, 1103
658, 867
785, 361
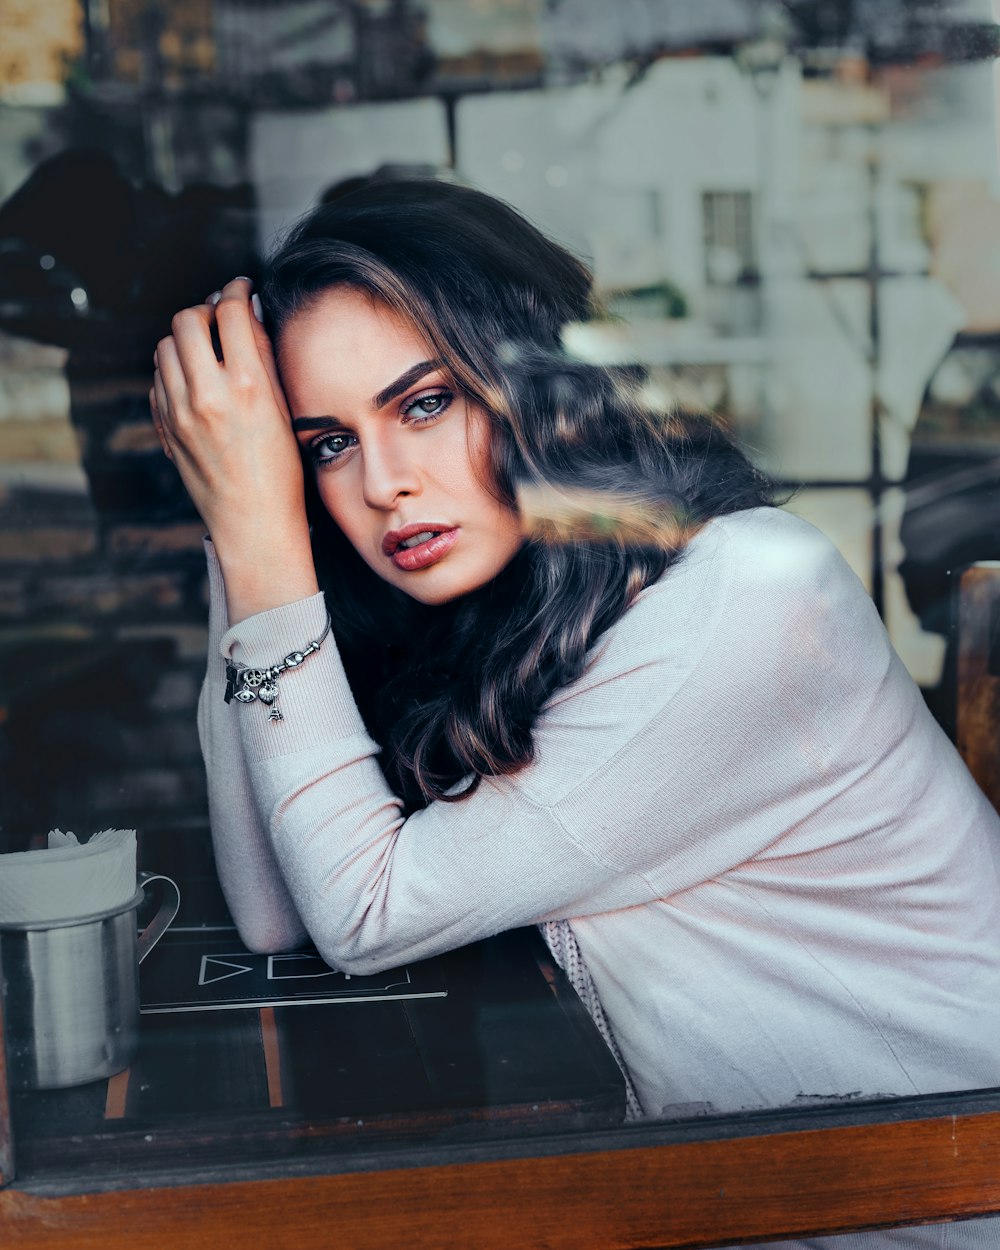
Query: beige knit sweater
772, 864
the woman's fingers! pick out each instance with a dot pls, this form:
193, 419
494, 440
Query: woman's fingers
221, 418
265, 350
172, 395
154, 412
235, 321
191, 340
224, 422
246, 348
197, 384
245, 343
157, 402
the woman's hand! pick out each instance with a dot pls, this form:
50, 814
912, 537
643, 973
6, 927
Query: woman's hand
225, 425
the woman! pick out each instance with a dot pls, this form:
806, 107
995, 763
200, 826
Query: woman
677, 739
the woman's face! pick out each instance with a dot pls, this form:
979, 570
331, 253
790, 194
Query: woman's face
399, 454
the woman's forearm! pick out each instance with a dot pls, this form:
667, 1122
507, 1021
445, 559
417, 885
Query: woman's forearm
249, 874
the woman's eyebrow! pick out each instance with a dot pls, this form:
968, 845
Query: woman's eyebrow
385, 396
404, 382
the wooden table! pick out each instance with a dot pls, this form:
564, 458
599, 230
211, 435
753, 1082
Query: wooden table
755, 1177
488, 1119
503, 1047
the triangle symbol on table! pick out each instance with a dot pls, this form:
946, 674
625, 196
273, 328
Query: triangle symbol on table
206, 977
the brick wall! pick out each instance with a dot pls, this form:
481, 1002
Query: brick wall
102, 602
102, 582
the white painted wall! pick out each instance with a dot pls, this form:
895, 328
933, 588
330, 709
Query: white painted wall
295, 156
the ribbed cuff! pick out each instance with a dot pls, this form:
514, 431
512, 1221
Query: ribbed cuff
267, 637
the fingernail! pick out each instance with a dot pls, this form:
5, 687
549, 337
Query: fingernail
241, 277
258, 307
214, 297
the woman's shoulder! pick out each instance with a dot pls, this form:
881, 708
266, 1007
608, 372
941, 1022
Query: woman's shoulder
672, 621
766, 545
759, 607
776, 531
762, 562
747, 583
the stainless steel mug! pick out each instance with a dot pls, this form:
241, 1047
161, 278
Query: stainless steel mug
71, 991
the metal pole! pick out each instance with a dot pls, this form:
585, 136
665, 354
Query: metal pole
875, 356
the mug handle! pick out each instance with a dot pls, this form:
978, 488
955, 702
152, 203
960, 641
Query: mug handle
164, 916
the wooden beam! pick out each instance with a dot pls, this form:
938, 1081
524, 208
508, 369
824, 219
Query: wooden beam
977, 719
688, 1194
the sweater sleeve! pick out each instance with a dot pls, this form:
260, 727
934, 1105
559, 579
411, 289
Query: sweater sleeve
688, 746
251, 881
331, 844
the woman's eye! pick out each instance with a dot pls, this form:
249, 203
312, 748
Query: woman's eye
428, 405
330, 447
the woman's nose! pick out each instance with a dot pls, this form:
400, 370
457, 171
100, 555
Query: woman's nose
389, 473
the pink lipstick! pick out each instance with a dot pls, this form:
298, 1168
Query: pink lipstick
418, 546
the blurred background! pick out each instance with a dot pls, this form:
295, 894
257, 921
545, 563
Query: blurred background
790, 206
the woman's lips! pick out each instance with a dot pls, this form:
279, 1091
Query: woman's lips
424, 554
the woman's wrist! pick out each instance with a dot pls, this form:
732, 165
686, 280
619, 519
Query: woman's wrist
266, 576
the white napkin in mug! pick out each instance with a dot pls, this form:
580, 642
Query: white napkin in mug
68, 880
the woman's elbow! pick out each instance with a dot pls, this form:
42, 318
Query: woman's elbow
263, 938
356, 958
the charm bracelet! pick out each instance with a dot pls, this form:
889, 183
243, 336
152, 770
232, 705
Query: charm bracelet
247, 684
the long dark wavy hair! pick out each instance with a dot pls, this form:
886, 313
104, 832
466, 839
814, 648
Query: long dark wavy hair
453, 692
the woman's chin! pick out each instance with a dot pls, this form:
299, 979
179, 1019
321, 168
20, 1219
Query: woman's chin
436, 592
440, 584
